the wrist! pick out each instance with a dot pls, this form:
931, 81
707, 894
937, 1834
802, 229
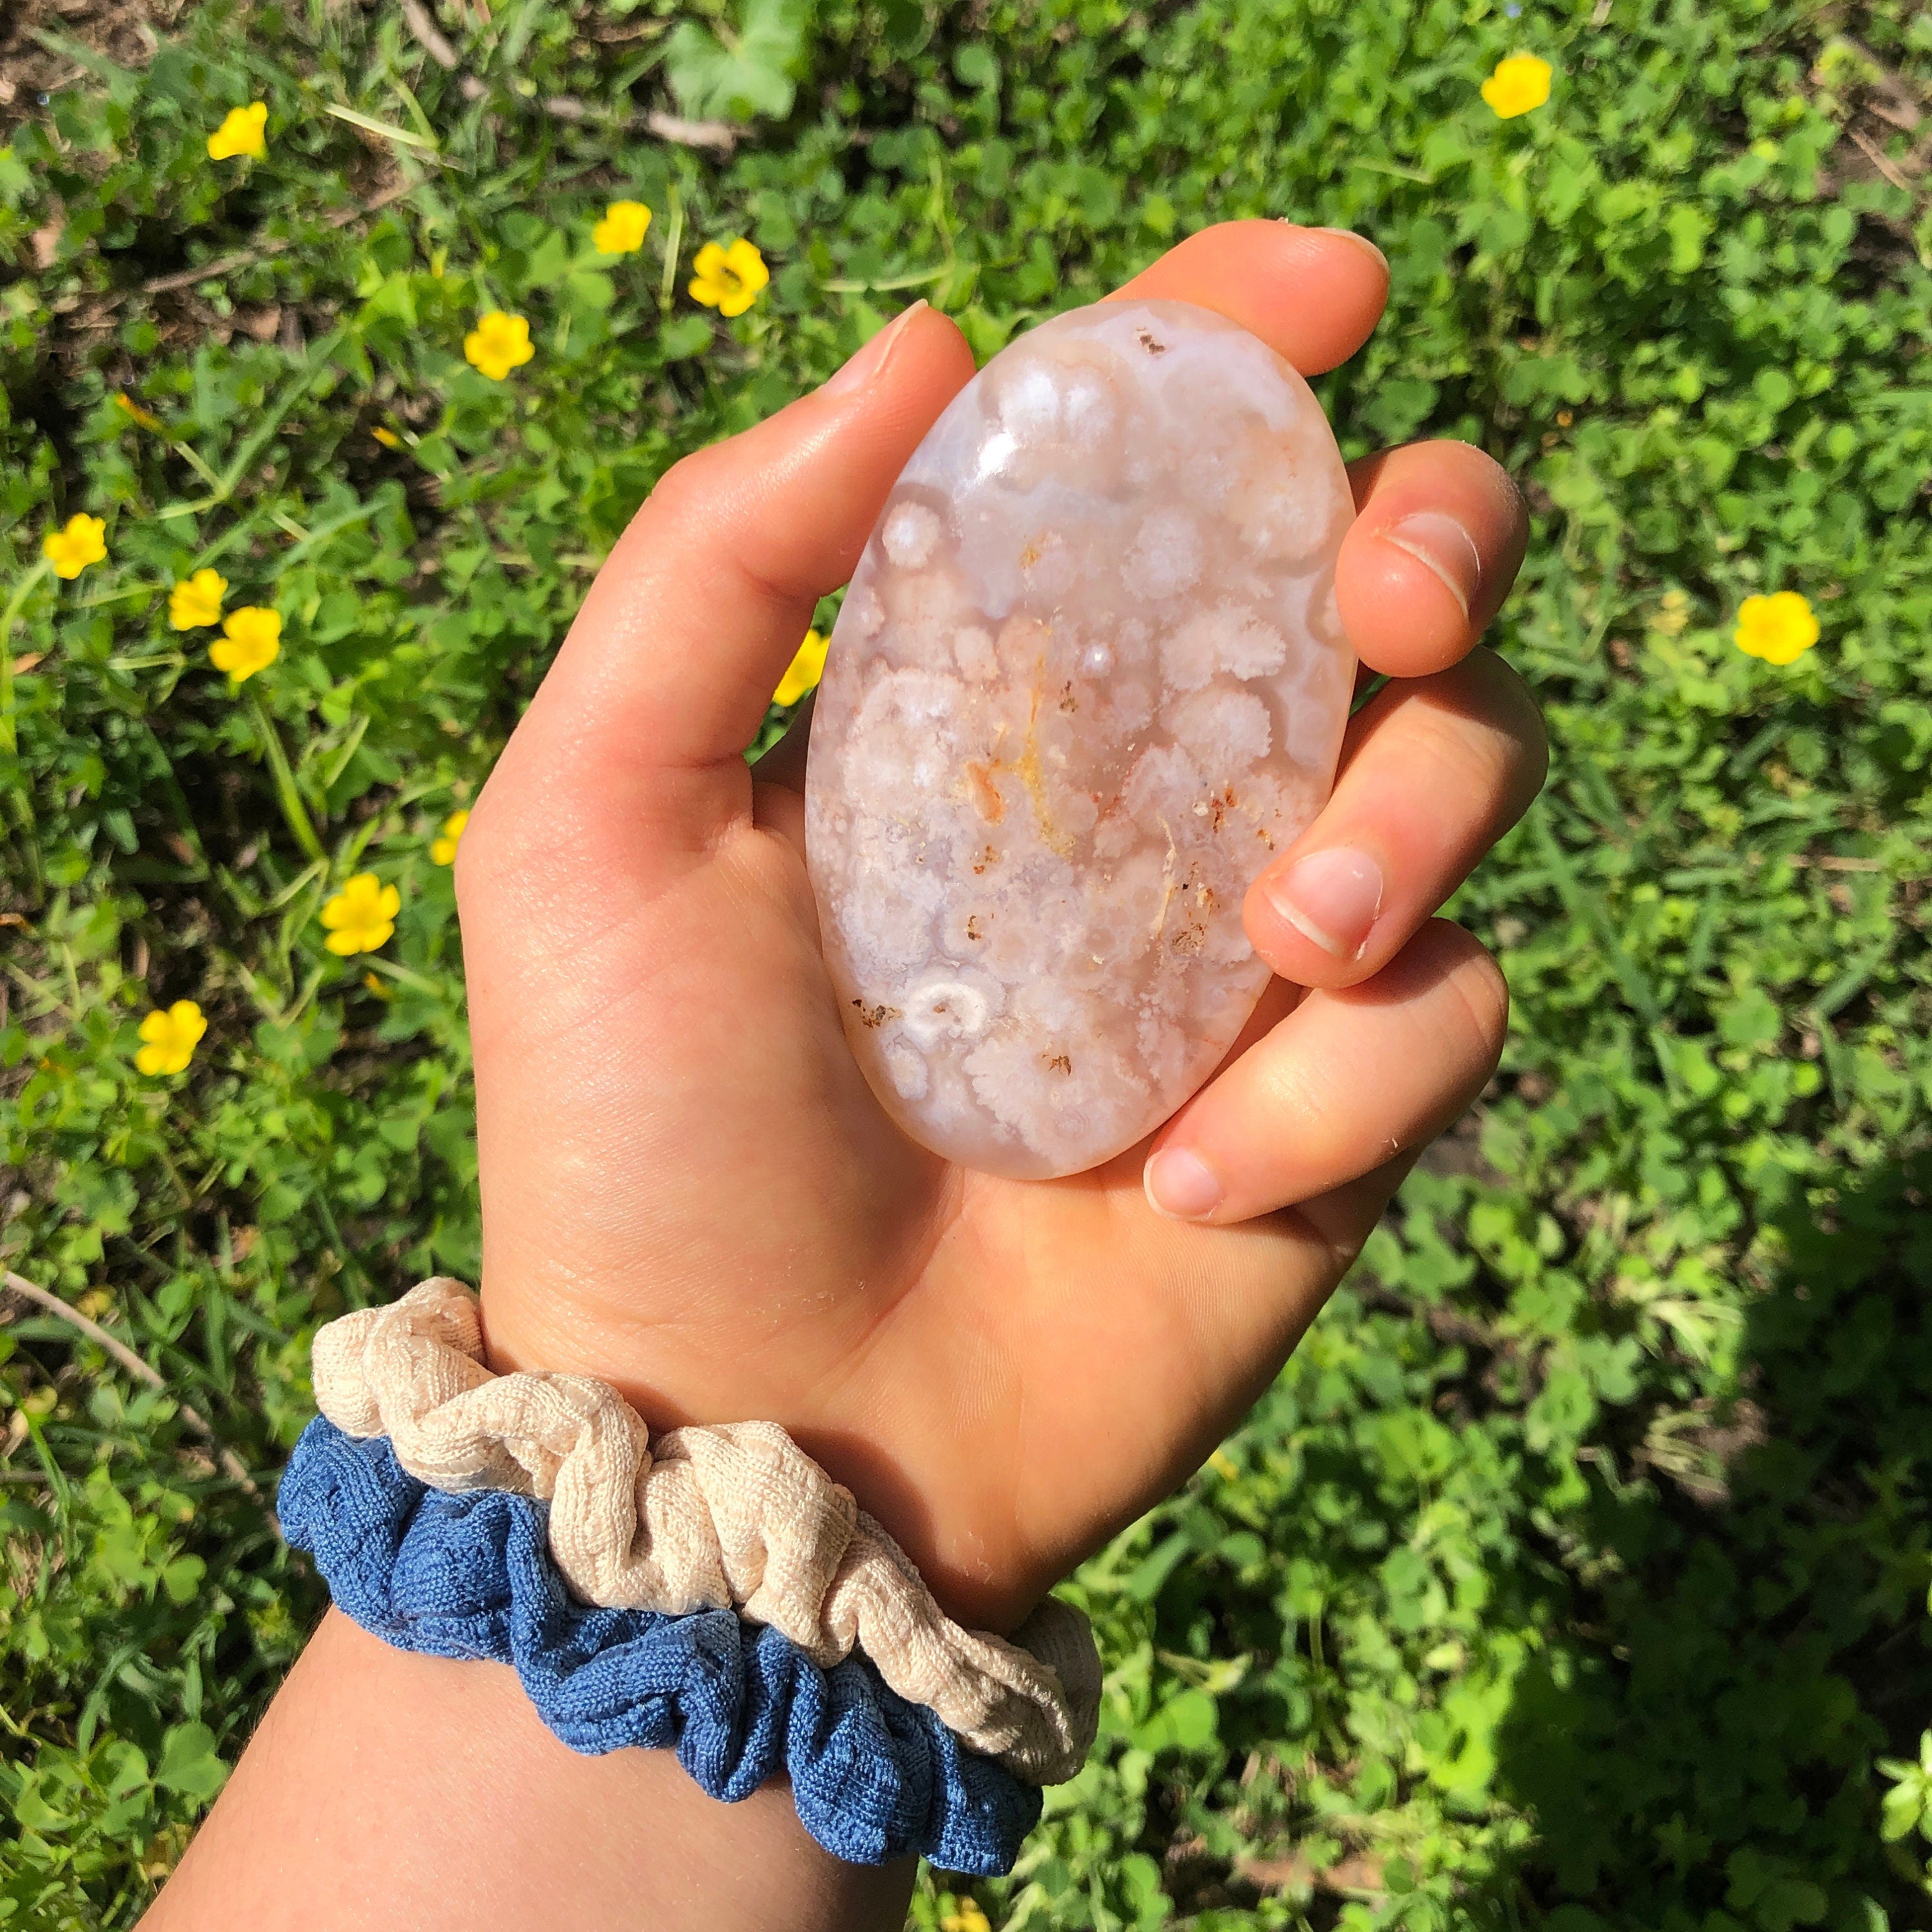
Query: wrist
424, 1463
898, 1454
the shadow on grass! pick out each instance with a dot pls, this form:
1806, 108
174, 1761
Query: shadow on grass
1696, 1747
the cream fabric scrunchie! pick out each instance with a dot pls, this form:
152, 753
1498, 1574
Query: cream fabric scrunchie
711, 1517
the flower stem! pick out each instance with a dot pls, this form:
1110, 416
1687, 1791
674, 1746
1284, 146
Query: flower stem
293, 809
15, 604
392, 970
673, 240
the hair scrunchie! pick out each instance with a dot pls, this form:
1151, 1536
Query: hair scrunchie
727, 1516
874, 1776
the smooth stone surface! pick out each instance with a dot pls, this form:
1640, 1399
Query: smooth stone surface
1088, 678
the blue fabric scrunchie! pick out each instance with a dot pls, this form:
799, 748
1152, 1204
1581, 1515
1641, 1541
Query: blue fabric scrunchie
873, 1776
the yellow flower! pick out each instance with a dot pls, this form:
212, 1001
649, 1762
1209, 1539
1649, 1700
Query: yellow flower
805, 670
241, 133
622, 230
197, 600
1779, 629
443, 851
362, 916
499, 343
965, 1916
1519, 84
728, 279
388, 438
251, 640
171, 1037
70, 550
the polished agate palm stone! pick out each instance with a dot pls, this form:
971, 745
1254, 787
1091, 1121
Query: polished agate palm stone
1088, 678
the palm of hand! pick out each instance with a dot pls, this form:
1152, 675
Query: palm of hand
700, 1168
690, 1188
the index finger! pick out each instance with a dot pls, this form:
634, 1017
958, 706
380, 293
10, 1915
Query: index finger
1312, 294
692, 621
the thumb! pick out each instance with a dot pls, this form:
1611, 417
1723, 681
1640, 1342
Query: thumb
667, 671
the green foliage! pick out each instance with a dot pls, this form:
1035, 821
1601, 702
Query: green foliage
1574, 1573
1908, 1804
743, 73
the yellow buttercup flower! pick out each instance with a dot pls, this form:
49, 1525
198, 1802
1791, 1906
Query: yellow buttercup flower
83, 540
498, 343
243, 132
622, 230
965, 1916
1779, 629
362, 916
1519, 84
197, 600
728, 279
251, 640
805, 670
171, 1036
443, 849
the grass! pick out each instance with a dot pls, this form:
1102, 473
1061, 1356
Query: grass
1574, 1575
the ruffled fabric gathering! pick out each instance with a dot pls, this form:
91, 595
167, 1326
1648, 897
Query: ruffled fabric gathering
713, 1593
732, 1517
873, 1775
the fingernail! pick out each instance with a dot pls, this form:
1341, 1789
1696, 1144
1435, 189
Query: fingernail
1181, 1185
1332, 898
867, 363
1434, 538
1363, 239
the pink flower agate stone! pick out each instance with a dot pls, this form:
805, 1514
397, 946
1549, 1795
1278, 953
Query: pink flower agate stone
1088, 678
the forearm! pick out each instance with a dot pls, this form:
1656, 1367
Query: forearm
385, 1789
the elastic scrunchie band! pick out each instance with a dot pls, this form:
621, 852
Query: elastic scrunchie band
873, 1777
714, 1517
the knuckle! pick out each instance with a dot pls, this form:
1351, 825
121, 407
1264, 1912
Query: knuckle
1519, 718
689, 482
1483, 708
502, 845
1515, 706
1481, 993
1480, 464
479, 855
522, 876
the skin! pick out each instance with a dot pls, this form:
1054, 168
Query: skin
689, 1190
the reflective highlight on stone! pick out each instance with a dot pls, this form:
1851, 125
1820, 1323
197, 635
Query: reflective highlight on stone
1088, 678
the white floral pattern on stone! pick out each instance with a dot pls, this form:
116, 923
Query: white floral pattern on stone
1088, 680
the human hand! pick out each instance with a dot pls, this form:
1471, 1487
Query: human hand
687, 1187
